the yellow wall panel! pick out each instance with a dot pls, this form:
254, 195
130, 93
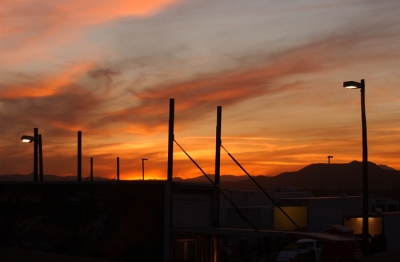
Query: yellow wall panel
297, 214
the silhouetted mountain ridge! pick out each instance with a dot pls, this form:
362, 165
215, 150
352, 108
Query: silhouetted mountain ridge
320, 176
46, 177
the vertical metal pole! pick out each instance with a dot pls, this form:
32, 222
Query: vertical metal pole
329, 175
79, 156
218, 161
365, 172
142, 169
143, 159
171, 138
40, 158
217, 176
117, 168
168, 187
35, 154
218, 147
91, 169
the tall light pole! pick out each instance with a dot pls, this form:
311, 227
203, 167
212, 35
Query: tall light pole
37, 153
365, 233
40, 158
143, 159
118, 168
91, 169
79, 160
329, 174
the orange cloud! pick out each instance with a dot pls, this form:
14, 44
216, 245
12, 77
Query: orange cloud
41, 86
34, 25
199, 96
77, 12
100, 11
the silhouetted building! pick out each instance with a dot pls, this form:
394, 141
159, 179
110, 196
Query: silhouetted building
119, 220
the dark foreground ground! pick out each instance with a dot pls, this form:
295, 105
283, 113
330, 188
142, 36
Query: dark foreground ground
14, 254
391, 256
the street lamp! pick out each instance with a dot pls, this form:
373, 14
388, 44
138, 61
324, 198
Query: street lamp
143, 159
27, 139
329, 174
365, 233
37, 148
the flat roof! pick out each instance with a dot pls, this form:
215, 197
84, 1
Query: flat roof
271, 233
324, 236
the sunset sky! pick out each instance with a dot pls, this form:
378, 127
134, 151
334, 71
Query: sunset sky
109, 68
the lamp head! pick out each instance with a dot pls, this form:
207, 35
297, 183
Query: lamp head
144, 159
330, 156
352, 84
27, 139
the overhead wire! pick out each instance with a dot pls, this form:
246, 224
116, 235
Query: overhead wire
219, 189
258, 185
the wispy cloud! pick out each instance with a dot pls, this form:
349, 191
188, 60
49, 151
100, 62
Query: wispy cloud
38, 24
37, 85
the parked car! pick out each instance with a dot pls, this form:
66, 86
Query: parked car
309, 250
287, 256
304, 250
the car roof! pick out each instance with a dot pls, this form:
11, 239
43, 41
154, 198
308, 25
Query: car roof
305, 240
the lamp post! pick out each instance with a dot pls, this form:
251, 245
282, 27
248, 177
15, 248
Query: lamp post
329, 174
37, 153
118, 168
79, 171
91, 169
143, 159
40, 158
365, 233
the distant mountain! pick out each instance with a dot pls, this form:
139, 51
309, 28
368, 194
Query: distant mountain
21, 177
317, 176
386, 167
203, 179
312, 177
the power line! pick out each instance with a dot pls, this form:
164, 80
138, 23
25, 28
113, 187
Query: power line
219, 189
273, 201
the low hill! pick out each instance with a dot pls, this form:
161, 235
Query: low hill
47, 177
319, 177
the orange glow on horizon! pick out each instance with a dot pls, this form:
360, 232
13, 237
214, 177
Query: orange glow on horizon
257, 158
